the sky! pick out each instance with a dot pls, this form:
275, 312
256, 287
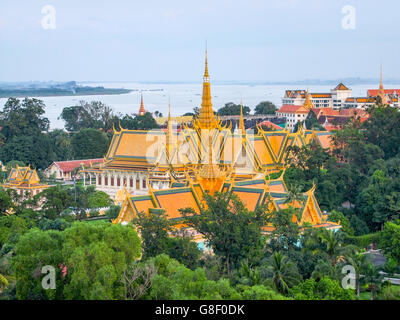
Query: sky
251, 40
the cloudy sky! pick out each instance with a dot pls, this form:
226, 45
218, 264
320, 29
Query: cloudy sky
259, 40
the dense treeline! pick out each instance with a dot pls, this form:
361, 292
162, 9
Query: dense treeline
357, 182
25, 135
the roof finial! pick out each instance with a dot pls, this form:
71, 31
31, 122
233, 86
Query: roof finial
241, 121
206, 75
142, 111
308, 104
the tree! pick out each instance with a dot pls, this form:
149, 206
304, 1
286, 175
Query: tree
35, 149
96, 256
233, 232
285, 235
231, 109
145, 122
359, 261
333, 245
265, 107
23, 118
176, 282
56, 199
86, 115
61, 144
282, 272
390, 240
89, 144
153, 228
325, 289
312, 123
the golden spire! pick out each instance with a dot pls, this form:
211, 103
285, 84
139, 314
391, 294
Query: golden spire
381, 90
142, 111
207, 119
241, 121
169, 136
308, 104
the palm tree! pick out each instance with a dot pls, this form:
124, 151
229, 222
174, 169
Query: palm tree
325, 268
334, 247
359, 261
248, 275
282, 272
294, 195
372, 278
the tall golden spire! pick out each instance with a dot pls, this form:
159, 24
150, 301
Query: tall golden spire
169, 137
241, 121
142, 111
381, 90
308, 104
206, 119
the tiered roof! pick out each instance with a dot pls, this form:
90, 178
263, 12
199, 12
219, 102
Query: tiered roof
24, 178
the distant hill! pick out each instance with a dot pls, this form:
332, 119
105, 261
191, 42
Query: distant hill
46, 89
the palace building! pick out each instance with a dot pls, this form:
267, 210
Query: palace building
25, 181
170, 170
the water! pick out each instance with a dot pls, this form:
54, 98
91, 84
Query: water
184, 97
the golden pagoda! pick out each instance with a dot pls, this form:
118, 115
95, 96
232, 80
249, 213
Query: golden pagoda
194, 172
207, 118
25, 181
307, 103
142, 111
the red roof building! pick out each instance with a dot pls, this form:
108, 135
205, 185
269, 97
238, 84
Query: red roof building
63, 169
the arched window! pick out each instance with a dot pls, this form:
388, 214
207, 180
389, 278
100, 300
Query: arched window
131, 182
118, 181
112, 180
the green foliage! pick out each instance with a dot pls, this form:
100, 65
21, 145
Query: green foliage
95, 256
233, 232
89, 144
265, 107
312, 123
324, 289
175, 281
282, 272
95, 115
339, 217
145, 122
155, 230
390, 240
285, 235
231, 109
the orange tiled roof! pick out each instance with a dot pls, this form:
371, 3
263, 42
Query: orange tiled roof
290, 108
374, 92
68, 166
341, 86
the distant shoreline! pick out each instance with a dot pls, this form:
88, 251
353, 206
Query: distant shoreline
51, 92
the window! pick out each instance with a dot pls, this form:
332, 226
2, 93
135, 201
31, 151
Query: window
144, 183
131, 182
106, 181
125, 183
112, 181
118, 181
137, 184
99, 180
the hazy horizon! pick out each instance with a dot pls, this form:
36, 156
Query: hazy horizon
248, 41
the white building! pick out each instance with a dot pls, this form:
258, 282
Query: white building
334, 99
